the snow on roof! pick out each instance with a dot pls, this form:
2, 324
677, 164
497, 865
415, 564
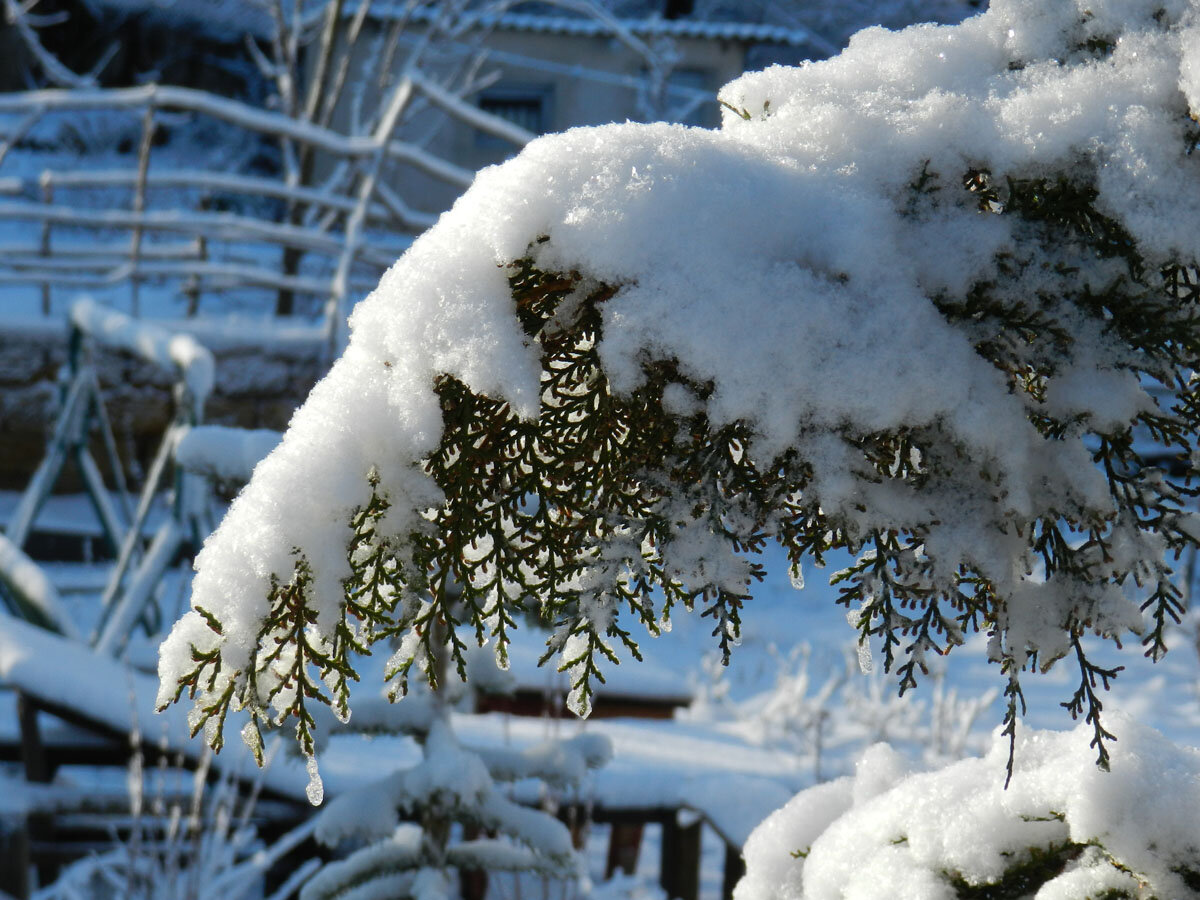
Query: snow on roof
233, 17
653, 27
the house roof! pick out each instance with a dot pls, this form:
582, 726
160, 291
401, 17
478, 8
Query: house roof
586, 26
226, 16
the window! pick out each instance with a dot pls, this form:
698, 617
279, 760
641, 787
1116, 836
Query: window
690, 98
528, 107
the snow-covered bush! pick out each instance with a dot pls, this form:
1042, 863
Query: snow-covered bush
1061, 831
824, 711
188, 838
914, 301
451, 785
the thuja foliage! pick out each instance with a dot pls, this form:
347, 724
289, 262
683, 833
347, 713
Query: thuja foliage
610, 508
1037, 865
1028, 874
1024, 877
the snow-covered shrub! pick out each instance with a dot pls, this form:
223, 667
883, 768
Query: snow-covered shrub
912, 302
825, 711
188, 838
406, 819
1061, 831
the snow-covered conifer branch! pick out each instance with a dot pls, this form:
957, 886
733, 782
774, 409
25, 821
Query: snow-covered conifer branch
1061, 829
558, 763
916, 310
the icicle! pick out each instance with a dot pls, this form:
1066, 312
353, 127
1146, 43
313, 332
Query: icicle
796, 576
315, 789
252, 737
579, 701
865, 664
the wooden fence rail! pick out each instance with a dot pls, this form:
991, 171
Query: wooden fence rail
185, 232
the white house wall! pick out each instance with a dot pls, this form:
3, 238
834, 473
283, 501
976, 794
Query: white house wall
585, 80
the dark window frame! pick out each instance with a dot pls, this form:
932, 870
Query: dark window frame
516, 95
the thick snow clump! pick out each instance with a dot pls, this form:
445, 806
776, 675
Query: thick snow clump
1063, 829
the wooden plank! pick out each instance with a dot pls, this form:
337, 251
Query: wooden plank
620, 814
604, 706
117, 751
33, 755
14, 858
66, 431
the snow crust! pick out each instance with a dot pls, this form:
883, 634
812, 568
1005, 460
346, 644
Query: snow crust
885, 832
782, 260
560, 764
453, 783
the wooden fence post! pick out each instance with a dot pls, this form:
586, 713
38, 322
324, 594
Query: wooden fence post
624, 847
139, 209
47, 186
735, 868
40, 826
679, 872
192, 287
473, 883
14, 858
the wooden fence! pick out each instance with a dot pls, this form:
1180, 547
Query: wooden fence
140, 221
